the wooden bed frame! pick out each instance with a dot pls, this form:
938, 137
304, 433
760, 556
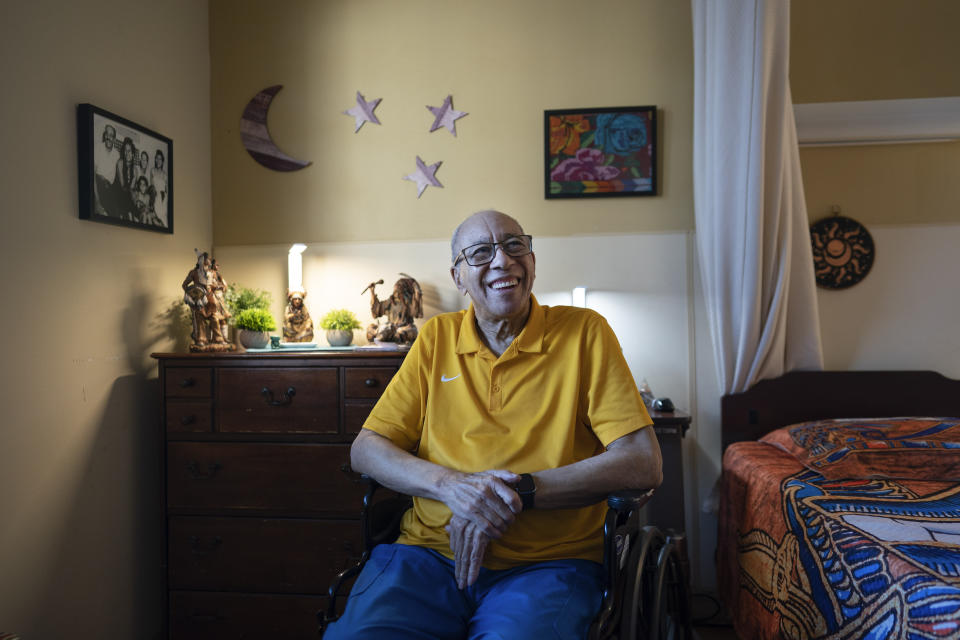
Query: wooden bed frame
799, 396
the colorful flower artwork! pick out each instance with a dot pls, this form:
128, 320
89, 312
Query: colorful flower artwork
600, 152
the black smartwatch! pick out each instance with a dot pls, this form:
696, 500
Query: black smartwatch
527, 489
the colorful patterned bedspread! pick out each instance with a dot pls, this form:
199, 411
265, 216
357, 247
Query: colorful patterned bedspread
801, 555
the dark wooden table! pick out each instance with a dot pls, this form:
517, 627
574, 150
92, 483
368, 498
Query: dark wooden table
666, 509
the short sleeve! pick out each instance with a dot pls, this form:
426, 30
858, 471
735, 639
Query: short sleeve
614, 406
398, 415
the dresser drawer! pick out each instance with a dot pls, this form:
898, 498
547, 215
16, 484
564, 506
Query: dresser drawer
367, 382
257, 554
278, 400
187, 382
355, 413
293, 479
189, 416
229, 616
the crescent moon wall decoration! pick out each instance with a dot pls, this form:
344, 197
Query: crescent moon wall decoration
256, 138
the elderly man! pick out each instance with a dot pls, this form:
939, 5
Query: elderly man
508, 423
105, 170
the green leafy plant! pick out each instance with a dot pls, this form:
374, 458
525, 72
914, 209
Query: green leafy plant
340, 320
240, 298
255, 319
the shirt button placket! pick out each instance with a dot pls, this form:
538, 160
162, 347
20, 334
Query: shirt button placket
496, 398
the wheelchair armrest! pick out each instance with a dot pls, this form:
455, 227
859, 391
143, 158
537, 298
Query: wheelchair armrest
338, 586
619, 530
629, 499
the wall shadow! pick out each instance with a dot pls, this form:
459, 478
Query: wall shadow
109, 581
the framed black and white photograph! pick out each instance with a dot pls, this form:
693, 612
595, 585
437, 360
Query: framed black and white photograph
125, 171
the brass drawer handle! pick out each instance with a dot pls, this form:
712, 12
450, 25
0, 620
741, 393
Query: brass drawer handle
197, 549
284, 400
197, 474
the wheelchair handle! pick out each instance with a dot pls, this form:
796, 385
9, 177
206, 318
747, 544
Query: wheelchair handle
629, 499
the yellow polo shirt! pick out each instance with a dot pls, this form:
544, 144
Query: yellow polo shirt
560, 393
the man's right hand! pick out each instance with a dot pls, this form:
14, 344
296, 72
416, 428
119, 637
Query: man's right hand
486, 499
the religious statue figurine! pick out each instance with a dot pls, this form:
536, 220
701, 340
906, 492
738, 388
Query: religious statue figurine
400, 308
208, 313
297, 323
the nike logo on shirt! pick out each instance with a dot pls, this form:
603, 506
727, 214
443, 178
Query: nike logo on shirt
444, 378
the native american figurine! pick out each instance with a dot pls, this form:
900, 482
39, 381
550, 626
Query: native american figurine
297, 323
219, 286
405, 304
208, 313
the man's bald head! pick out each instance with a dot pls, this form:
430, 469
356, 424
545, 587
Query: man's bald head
479, 220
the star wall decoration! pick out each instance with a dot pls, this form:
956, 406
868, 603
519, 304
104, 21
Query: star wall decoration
446, 116
363, 111
424, 176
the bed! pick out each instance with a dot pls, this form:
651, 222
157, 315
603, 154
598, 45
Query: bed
840, 506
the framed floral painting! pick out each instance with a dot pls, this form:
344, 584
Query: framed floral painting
604, 152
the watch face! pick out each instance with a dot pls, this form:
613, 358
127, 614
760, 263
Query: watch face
842, 252
526, 484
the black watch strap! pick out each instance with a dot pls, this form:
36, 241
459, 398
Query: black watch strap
527, 489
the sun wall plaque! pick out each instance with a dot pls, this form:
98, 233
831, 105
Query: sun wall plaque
843, 252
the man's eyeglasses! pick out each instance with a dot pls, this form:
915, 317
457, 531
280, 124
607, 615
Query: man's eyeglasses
484, 252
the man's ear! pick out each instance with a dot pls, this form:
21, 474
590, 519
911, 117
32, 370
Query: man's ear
455, 274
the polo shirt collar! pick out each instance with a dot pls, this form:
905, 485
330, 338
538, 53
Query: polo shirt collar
530, 339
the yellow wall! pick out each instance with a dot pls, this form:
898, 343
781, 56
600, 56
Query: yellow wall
873, 49
80, 526
503, 61
878, 50
895, 184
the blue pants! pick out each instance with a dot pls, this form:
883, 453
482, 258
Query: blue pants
406, 592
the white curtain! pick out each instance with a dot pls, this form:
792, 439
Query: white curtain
752, 232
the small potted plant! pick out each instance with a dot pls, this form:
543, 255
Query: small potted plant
238, 298
339, 325
253, 326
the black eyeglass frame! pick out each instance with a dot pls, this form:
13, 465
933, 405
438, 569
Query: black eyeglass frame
463, 255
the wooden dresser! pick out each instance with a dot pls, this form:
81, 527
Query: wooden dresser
261, 506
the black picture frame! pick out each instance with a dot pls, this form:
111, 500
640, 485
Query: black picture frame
600, 152
116, 192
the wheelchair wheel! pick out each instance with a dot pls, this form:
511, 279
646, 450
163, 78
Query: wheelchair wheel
669, 598
641, 574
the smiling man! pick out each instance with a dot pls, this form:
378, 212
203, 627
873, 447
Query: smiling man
509, 423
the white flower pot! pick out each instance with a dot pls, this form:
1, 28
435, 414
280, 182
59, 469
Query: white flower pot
253, 339
339, 338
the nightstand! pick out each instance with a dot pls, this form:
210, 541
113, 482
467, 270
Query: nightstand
666, 509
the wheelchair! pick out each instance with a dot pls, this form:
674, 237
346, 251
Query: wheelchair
646, 581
